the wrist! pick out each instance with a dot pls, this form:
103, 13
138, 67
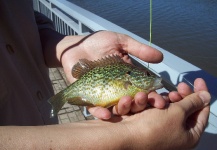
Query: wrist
107, 135
139, 136
66, 45
69, 51
122, 136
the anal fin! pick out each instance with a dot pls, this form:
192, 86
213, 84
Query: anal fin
79, 101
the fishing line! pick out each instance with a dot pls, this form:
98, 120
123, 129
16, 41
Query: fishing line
181, 76
150, 25
150, 42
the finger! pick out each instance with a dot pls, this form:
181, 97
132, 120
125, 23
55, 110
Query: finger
100, 112
200, 85
183, 89
139, 50
156, 100
194, 102
140, 102
123, 107
174, 96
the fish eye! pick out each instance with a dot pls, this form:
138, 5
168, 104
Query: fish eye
128, 72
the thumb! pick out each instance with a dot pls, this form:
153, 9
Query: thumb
197, 110
139, 50
195, 102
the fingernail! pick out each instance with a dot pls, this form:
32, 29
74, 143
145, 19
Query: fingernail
205, 97
106, 117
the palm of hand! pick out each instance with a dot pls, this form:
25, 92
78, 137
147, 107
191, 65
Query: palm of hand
92, 47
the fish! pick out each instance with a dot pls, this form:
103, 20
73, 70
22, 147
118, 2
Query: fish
103, 82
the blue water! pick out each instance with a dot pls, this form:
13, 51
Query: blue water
186, 28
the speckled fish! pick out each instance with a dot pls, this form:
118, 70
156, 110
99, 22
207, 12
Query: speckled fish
104, 82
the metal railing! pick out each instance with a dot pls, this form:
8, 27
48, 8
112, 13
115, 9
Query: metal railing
65, 23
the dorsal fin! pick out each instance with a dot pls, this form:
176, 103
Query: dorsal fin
84, 65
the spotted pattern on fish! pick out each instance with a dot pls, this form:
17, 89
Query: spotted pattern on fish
104, 82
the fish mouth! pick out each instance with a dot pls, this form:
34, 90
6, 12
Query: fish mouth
157, 83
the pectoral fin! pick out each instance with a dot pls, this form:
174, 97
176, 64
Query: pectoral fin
127, 84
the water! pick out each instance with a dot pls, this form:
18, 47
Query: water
186, 28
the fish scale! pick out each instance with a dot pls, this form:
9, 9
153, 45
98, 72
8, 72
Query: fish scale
104, 82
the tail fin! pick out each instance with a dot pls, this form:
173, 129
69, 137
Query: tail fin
57, 102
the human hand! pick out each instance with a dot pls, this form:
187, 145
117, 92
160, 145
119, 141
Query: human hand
179, 126
105, 43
